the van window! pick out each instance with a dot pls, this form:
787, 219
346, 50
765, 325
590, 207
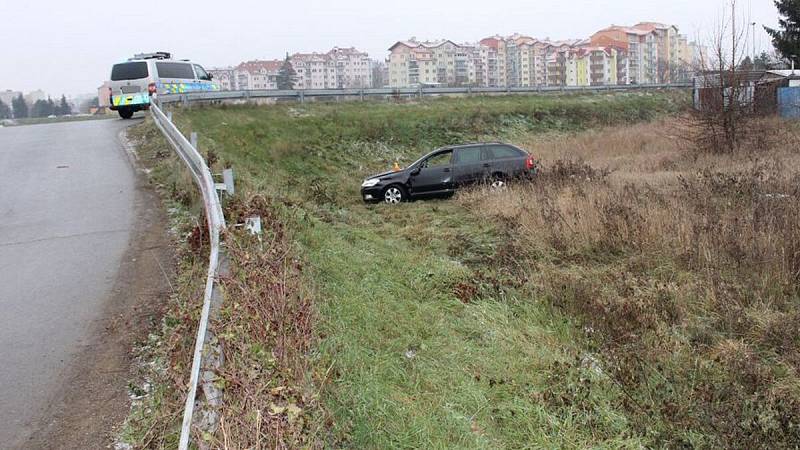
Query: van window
174, 70
129, 71
201, 73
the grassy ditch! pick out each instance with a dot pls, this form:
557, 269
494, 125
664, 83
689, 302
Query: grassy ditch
638, 294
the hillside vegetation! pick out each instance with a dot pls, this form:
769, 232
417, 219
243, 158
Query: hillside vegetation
636, 294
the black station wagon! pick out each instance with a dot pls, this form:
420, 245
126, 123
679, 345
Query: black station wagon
443, 171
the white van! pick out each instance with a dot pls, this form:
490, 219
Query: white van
145, 75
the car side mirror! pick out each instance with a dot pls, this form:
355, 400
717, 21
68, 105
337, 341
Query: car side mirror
416, 170
210, 77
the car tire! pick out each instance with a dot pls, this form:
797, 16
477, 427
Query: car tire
394, 194
125, 113
498, 182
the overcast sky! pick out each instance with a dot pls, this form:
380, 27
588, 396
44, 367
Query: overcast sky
68, 46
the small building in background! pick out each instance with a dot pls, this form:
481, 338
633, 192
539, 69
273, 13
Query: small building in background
103, 97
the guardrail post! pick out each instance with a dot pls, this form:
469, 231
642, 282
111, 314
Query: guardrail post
361, 93
302, 96
193, 139
169, 116
185, 99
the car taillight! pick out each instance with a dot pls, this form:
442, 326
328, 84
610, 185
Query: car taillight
530, 163
151, 88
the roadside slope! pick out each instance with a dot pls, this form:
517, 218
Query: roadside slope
420, 336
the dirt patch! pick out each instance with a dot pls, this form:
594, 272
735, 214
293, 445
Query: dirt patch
93, 401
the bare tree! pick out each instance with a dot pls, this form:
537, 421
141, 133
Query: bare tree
724, 96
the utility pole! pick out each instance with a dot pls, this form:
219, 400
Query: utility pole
753, 25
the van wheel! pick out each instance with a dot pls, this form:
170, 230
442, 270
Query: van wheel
125, 113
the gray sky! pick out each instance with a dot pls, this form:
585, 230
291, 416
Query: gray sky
68, 46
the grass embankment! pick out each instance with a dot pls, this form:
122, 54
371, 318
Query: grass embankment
424, 338
589, 309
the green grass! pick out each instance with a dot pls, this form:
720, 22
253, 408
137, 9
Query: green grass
411, 360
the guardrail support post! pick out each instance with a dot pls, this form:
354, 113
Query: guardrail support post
169, 116
193, 139
302, 97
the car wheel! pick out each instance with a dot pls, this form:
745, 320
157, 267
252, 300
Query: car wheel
498, 182
125, 113
394, 195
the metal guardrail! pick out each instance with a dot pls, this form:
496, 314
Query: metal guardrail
302, 94
216, 223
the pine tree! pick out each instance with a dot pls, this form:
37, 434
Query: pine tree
286, 75
5, 111
787, 39
63, 108
20, 107
50, 109
39, 109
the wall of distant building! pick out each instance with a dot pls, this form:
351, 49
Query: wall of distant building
336, 69
645, 53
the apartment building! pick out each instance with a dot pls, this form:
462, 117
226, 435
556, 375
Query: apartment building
498, 61
444, 62
591, 66
338, 68
655, 52
256, 75
353, 68
314, 71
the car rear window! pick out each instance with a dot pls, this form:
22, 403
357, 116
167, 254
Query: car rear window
502, 151
175, 70
129, 71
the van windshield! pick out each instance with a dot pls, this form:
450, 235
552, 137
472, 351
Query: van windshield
129, 71
174, 70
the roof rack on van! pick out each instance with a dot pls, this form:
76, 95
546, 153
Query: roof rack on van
154, 55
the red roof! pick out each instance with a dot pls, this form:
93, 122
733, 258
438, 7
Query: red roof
258, 65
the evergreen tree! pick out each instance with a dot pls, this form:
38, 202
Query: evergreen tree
286, 75
20, 107
39, 109
787, 39
50, 109
63, 108
5, 111
746, 64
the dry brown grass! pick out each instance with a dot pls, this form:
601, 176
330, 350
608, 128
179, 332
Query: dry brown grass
657, 152
266, 329
686, 267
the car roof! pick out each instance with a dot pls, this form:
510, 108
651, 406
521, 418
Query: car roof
470, 144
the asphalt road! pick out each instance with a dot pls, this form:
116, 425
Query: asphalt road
66, 218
